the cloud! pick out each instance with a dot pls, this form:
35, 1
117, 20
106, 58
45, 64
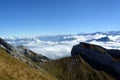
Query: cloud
50, 49
62, 48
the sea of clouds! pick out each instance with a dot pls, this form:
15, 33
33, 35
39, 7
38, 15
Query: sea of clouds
55, 47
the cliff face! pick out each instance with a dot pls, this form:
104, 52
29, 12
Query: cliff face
99, 58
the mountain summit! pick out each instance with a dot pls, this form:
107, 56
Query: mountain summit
99, 58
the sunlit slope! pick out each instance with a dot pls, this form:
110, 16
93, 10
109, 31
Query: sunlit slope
13, 69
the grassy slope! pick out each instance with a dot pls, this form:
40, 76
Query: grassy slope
13, 69
74, 68
70, 68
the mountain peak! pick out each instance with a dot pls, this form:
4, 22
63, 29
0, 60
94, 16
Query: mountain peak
92, 55
87, 46
104, 39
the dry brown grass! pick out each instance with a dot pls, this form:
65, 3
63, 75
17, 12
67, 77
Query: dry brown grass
13, 69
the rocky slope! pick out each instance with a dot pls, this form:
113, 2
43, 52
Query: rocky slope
14, 69
23, 54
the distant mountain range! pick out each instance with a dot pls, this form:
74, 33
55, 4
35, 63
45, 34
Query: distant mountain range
58, 46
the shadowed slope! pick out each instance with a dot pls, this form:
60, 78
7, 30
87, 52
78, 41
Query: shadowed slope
99, 58
74, 68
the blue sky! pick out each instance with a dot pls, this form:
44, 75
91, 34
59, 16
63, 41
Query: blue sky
44, 17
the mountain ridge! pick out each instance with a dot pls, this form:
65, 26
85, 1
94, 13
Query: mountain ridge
75, 67
12, 68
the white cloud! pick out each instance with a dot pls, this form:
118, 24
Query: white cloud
51, 49
59, 49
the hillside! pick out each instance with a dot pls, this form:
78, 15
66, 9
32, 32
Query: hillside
74, 68
87, 62
13, 69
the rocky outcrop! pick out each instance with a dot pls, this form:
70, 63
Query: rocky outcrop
14, 69
12, 50
32, 55
99, 58
5, 45
23, 54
